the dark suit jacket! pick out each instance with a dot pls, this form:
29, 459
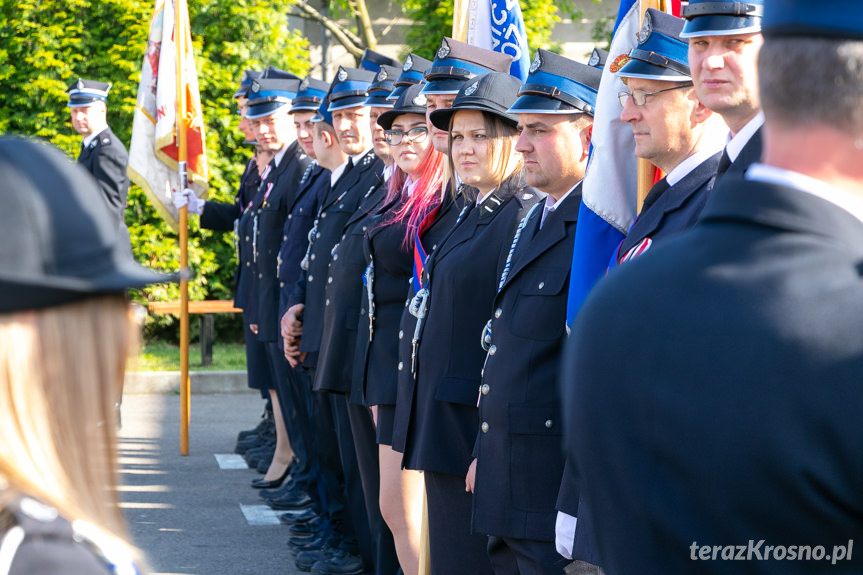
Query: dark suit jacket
712, 389
750, 154
295, 235
343, 294
106, 159
451, 207
311, 284
519, 457
220, 216
675, 210
462, 286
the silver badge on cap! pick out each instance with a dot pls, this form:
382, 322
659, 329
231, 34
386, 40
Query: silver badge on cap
409, 63
80, 84
443, 51
343, 75
594, 59
646, 29
382, 75
537, 62
304, 85
419, 100
471, 89
256, 86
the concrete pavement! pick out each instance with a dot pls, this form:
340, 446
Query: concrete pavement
185, 512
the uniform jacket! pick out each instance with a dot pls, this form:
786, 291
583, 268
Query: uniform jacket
221, 216
462, 285
450, 208
518, 448
339, 204
376, 376
106, 159
40, 542
295, 235
674, 210
271, 212
343, 294
750, 154
736, 412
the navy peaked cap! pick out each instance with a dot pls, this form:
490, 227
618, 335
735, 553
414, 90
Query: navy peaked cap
246, 83
311, 92
660, 54
456, 62
349, 88
84, 93
412, 73
273, 72
383, 85
725, 18
493, 93
558, 85
269, 95
598, 58
838, 19
373, 61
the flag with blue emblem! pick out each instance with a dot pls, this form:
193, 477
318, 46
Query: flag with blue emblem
494, 25
609, 192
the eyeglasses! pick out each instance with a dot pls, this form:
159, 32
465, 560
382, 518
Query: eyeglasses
639, 97
414, 135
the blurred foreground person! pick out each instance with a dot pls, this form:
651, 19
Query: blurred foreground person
728, 441
65, 334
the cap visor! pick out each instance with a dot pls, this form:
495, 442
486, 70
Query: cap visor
639, 69
720, 25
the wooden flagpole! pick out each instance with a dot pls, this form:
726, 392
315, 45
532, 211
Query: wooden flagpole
180, 17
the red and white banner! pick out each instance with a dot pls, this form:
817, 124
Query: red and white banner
154, 150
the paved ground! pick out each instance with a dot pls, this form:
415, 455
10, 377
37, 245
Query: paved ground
185, 512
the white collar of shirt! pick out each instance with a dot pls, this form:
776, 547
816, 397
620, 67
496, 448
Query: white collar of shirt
410, 186
359, 157
337, 173
389, 171
93, 136
836, 196
279, 155
552, 205
735, 144
682, 169
482, 198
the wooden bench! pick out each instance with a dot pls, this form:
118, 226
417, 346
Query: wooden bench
205, 309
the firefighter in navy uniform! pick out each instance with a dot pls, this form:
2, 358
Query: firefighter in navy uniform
102, 153
519, 459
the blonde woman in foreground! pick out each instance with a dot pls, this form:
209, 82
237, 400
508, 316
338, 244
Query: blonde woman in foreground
65, 333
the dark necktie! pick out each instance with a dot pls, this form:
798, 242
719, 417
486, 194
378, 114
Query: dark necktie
724, 163
655, 192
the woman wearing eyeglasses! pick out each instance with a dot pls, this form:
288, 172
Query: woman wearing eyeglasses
461, 280
414, 190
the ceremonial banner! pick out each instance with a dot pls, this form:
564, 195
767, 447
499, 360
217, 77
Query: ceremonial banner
154, 149
494, 25
609, 192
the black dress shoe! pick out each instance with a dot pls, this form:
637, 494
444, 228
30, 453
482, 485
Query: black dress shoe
261, 483
298, 517
307, 527
291, 501
339, 562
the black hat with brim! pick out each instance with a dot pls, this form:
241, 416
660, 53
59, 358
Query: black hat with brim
410, 102
493, 93
59, 242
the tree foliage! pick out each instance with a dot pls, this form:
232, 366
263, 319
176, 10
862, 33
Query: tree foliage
46, 45
433, 20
